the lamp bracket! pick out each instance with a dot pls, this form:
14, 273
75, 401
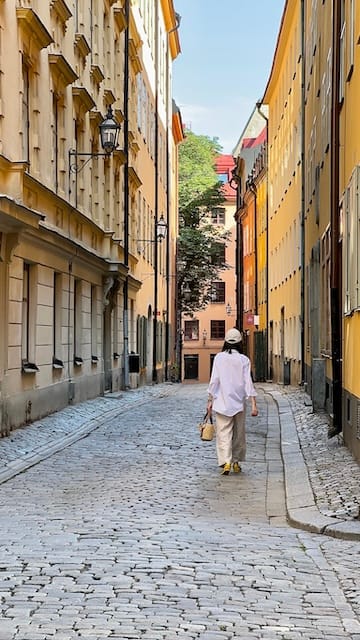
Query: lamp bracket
74, 167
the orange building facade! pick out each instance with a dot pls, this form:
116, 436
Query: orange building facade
203, 335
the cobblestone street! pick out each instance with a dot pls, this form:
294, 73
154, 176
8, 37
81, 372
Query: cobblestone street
132, 533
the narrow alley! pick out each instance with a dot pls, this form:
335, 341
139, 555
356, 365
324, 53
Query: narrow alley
132, 533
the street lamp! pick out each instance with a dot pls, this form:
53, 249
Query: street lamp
235, 179
160, 234
109, 134
161, 229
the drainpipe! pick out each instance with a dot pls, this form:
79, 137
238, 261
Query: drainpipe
126, 199
335, 289
168, 209
156, 203
253, 189
238, 252
167, 265
258, 106
240, 273
303, 150
168, 198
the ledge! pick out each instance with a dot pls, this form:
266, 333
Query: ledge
57, 364
29, 367
61, 9
61, 70
31, 26
83, 98
120, 18
81, 44
96, 74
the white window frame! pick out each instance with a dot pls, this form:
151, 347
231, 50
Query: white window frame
352, 238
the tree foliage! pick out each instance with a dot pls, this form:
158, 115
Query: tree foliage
201, 243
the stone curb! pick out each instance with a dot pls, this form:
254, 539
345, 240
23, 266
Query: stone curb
301, 508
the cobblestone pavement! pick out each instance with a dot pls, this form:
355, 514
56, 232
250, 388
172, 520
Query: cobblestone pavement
131, 533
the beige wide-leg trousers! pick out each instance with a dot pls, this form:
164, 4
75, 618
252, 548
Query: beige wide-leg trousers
230, 437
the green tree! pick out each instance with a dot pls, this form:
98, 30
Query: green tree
201, 243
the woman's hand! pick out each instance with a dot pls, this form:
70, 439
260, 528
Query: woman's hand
254, 409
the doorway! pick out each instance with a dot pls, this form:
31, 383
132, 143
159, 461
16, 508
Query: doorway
191, 367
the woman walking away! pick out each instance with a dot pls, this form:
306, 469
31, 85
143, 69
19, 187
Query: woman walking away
230, 385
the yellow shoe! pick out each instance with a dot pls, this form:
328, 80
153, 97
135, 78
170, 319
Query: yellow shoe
236, 467
226, 469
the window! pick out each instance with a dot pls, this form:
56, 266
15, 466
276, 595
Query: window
352, 239
325, 255
55, 142
94, 318
219, 257
25, 114
57, 315
218, 215
342, 52
191, 330
223, 177
217, 329
25, 341
28, 326
218, 292
77, 322
350, 45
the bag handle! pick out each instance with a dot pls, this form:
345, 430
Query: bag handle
208, 415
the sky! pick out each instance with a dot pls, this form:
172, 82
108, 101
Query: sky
227, 48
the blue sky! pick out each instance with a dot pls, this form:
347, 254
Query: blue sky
227, 50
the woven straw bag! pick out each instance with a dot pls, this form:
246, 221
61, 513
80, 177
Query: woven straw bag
206, 428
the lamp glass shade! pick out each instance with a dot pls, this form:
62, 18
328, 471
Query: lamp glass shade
109, 132
161, 228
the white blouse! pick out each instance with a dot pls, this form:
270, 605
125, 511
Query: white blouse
230, 382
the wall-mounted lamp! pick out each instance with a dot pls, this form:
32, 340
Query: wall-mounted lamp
161, 231
228, 309
235, 180
204, 336
109, 135
186, 291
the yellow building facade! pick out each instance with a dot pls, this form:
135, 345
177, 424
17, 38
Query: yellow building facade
283, 97
348, 52
84, 280
317, 202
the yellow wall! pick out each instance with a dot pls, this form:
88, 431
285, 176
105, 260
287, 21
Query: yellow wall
283, 98
349, 173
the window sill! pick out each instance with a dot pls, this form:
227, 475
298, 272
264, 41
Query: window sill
57, 364
29, 367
